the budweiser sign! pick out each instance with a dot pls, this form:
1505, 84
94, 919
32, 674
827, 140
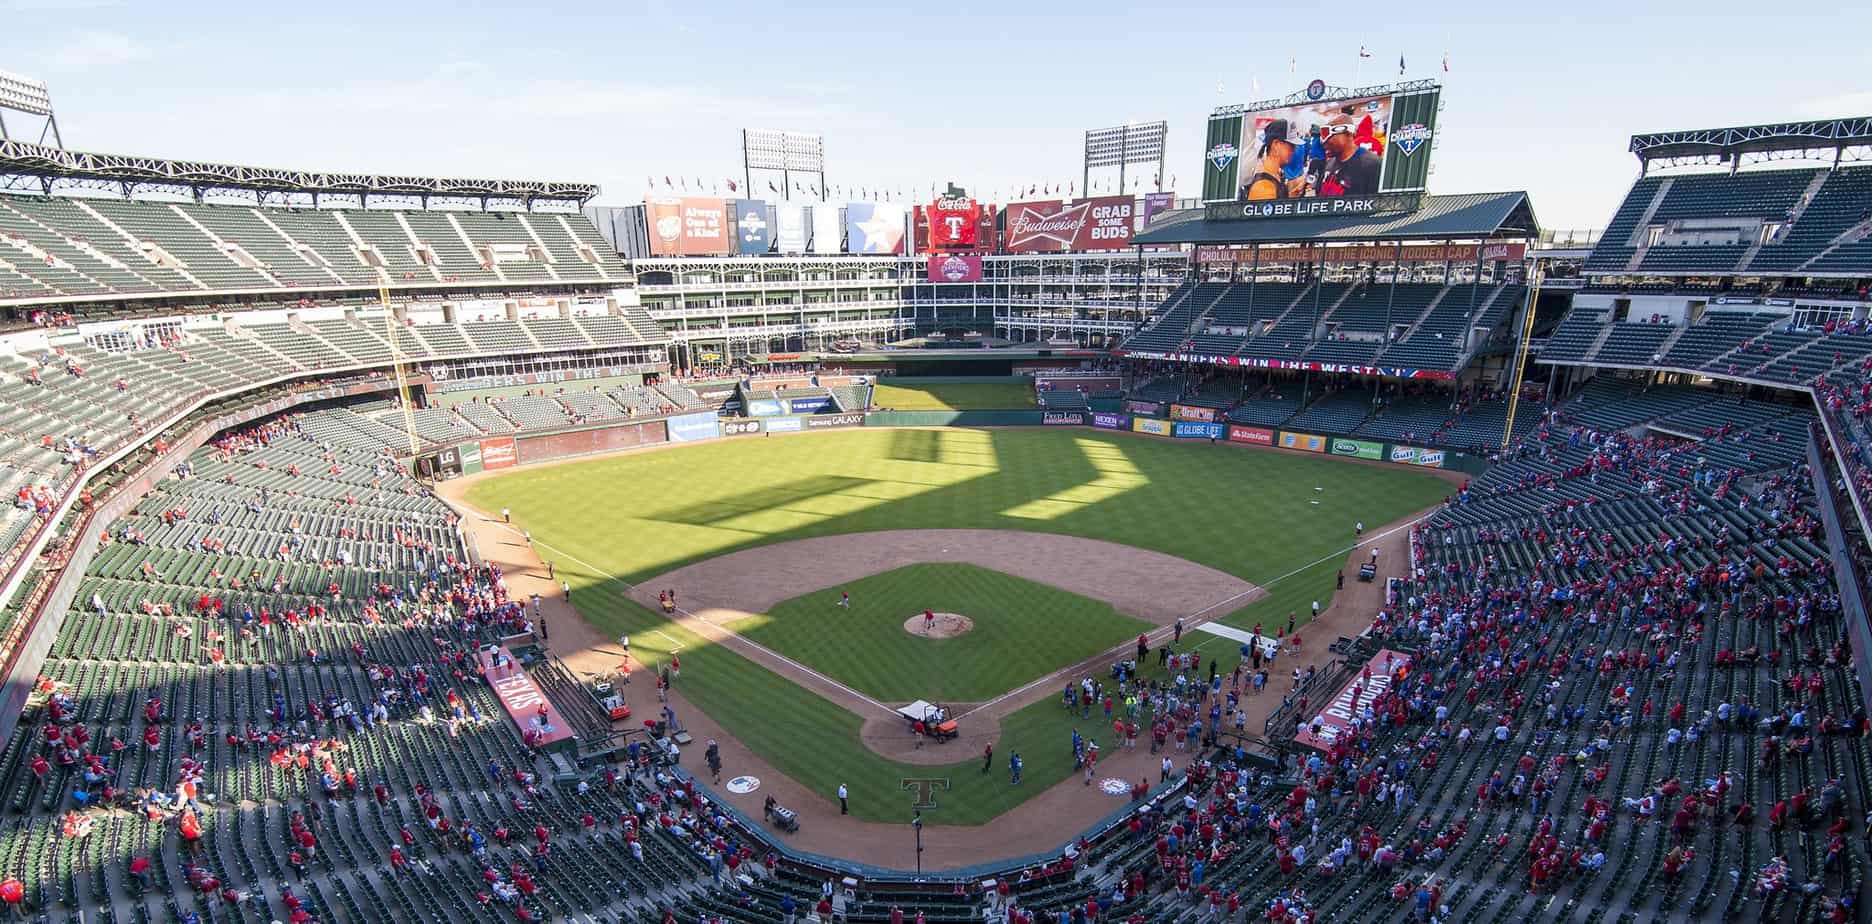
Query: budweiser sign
1102, 223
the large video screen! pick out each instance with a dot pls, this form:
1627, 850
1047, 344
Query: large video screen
1354, 148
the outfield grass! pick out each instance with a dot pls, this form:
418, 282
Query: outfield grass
1022, 630
1246, 512
954, 396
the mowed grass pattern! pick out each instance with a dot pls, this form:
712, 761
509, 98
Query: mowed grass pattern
1022, 630
957, 396
634, 516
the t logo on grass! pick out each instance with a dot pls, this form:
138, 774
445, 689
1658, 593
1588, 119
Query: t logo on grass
925, 788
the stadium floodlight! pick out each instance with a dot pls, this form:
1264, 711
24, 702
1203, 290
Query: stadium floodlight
784, 152
29, 96
1123, 145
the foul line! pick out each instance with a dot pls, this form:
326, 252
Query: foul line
1161, 631
769, 652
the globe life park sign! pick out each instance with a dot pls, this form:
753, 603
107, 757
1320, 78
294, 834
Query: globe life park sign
1313, 207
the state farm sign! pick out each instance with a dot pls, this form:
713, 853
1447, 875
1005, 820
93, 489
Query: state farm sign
1102, 223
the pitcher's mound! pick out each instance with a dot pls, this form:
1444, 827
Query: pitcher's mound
945, 625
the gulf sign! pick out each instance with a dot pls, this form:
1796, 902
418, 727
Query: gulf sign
1151, 425
1305, 442
1411, 455
1100, 223
1322, 730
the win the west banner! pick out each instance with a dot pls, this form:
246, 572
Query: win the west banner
874, 227
1101, 223
754, 221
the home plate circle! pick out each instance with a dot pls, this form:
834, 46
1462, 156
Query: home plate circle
1113, 786
742, 785
930, 624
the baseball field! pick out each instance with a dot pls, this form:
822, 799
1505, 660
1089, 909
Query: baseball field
953, 396
621, 526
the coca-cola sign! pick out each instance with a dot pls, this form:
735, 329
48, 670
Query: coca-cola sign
954, 224
1102, 223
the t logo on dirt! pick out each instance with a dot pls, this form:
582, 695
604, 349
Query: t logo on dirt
925, 788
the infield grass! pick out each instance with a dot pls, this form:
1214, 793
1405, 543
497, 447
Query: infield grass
631, 517
1022, 630
956, 396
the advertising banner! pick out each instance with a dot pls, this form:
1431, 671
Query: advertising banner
1105, 420
1305, 442
828, 232
784, 424
1151, 425
954, 225
1198, 431
1259, 436
1155, 203
470, 457
1271, 254
1430, 457
741, 427
1191, 412
690, 428
688, 226
754, 221
1386, 668
1063, 419
874, 227
811, 404
1144, 407
499, 452
1100, 223
764, 407
790, 230
1357, 449
1252, 362
955, 267
827, 421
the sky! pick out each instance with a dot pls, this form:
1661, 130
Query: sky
992, 96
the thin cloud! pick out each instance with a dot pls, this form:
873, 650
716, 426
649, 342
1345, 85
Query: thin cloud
56, 6
109, 47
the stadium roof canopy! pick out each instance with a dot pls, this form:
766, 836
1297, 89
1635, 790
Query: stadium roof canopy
19, 159
1731, 145
1464, 216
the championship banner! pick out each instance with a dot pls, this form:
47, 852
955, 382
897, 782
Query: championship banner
1190, 412
1184, 429
1063, 419
1101, 223
1259, 436
828, 232
690, 428
753, 226
955, 267
687, 226
874, 227
498, 452
1106, 420
1357, 449
1385, 668
1151, 425
1305, 442
790, 230
1155, 203
539, 721
954, 225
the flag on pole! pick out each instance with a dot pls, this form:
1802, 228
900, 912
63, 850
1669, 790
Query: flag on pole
1400, 65
1292, 67
1446, 62
1363, 53
650, 181
666, 183
731, 186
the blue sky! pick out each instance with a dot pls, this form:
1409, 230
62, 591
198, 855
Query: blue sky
993, 96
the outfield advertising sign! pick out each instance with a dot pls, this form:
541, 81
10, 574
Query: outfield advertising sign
1106, 420
1305, 442
740, 427
1357, 449
1192, 430
764, 407
809, 405
1191, 412
1151, 425
1143, 407
692, 427
827, 421
1258, 436
785, 424
499, 453
1409, 455
1063, 419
